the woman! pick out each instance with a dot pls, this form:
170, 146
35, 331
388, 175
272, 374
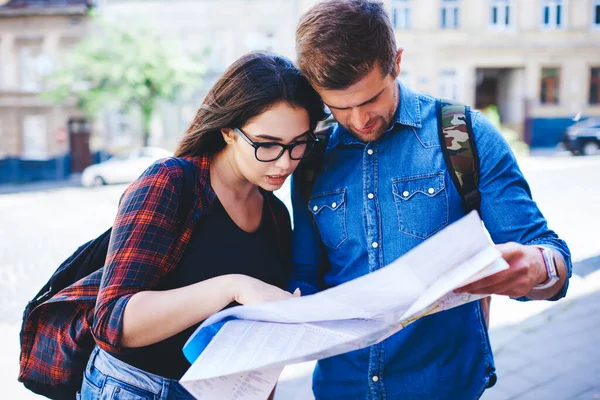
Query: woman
163, 276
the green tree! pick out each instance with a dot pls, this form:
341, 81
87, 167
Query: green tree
125, 67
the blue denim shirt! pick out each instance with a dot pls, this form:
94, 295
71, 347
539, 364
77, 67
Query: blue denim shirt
366, 220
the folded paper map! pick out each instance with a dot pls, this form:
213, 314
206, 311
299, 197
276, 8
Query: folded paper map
239, 352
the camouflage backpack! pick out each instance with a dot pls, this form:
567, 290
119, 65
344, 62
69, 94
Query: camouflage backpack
458, 146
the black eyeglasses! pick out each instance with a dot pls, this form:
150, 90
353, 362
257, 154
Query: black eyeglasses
271, 151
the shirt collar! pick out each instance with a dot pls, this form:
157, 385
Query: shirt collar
408, 113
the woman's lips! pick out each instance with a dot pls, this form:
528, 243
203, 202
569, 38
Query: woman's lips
276, 179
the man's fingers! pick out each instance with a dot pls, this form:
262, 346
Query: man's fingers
504, 289
510, 250
499, 288
491, 280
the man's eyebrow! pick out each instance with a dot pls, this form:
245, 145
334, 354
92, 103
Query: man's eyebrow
276, 139
359, 105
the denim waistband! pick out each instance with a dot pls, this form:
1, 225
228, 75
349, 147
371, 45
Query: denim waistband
113, 367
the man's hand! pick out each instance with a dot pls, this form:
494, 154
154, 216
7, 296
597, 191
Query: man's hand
526, 269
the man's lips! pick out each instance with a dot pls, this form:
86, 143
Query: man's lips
368, 128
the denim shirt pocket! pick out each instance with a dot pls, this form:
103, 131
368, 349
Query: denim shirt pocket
329, 211
421, 204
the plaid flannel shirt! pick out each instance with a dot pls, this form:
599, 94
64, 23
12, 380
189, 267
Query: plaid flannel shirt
146, 243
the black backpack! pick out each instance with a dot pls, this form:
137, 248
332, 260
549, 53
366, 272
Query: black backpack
87, 259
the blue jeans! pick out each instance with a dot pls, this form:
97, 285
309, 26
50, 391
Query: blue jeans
106, 377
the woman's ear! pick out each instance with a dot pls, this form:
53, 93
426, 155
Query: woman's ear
228, 135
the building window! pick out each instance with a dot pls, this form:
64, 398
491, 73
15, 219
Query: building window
449, 14
553, 13
34, 137
401, 14
596, 13
34, 67
550, 84
448, 84
595, 86
500, 13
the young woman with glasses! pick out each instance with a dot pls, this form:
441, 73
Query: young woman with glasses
163, 274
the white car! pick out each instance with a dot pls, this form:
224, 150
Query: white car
123, 167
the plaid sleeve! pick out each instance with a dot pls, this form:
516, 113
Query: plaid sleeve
143, 239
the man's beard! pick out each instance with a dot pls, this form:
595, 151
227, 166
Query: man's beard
385, 123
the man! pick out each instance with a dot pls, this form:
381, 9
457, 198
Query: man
384, 188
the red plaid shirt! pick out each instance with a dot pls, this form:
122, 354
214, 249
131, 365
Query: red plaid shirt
146, 243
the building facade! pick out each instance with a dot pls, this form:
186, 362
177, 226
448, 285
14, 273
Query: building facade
38, 140
41, 141
219, 30
538, 61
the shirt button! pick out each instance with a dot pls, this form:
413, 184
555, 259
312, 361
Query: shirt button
375, 378
431, 190
375, 245
405, 193
370, 152
370, 195
333, 205
315, 208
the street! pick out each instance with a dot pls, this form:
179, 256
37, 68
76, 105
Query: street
39, 229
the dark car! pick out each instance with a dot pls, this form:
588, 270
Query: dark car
583, 137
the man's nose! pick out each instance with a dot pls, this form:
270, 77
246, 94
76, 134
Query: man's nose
360, 118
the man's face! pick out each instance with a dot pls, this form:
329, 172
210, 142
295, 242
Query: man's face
366, 108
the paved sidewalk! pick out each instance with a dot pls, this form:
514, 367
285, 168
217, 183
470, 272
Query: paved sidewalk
74, 180
554, 355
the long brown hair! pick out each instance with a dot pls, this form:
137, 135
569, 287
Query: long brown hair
339, 41
249, 87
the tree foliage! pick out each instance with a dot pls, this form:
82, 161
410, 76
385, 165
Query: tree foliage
125, 67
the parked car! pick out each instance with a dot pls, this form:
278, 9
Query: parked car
583, 137
123, 167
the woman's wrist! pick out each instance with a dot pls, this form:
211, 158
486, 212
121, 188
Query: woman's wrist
233, 285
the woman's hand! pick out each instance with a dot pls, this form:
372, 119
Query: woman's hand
248, 290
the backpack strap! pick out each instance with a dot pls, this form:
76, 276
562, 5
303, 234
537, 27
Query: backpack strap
305, 177
460, 153
189, 182
462, 160
280, 217
310, 166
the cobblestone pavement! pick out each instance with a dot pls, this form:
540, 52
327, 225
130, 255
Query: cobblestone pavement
542, 350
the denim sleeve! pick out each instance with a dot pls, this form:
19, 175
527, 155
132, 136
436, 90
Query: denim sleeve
507, 208
306, 248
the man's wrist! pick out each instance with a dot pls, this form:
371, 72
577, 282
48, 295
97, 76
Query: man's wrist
542, 271
548, 271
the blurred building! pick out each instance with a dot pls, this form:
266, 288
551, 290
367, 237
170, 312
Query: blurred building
537, 60
38, 141
219, 30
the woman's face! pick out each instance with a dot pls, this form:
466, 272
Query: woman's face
283, 124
